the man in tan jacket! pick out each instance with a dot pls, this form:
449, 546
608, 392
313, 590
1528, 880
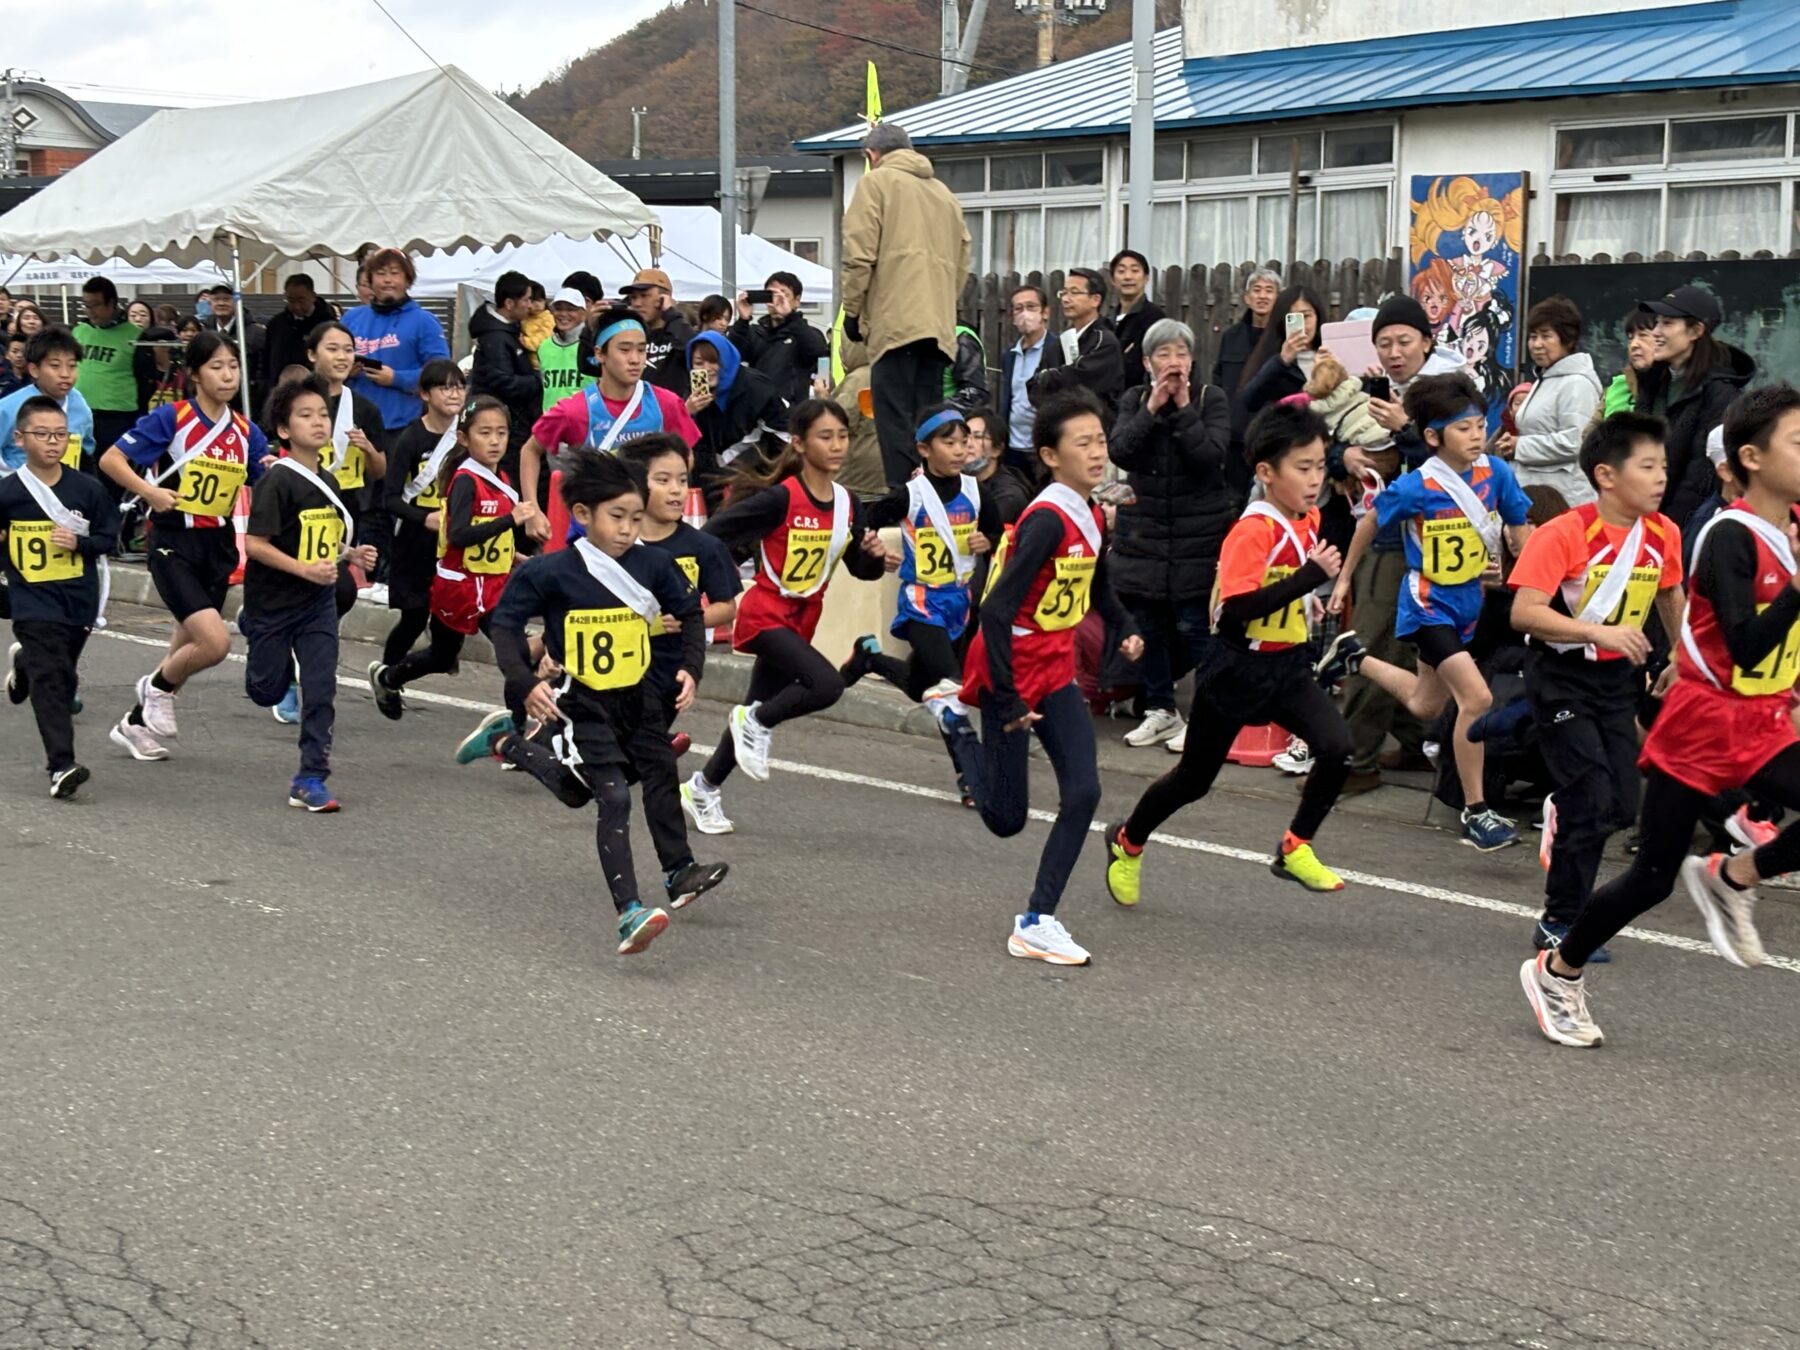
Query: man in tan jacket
906, 258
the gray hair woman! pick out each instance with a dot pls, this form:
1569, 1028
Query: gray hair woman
1235, 345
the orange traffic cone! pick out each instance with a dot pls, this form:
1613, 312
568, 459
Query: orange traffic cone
694, 512
1256, 747
240, 523
558, 514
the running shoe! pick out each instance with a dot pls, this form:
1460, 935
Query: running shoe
1342, 659
639, 927
64, 782
1730, 913
387, 700
1559, 1005
967, 794
1159, 725
480, 743
18, 689
1123, 869
750, 738
1302, 865
136, 739
1041, 937
944, 702
1488, 830
1549, 934
1177, 745
286, 712
858, 665
1748, 832
705, 807
159, 708
1295, 761
310, 793
687, 884
681, 743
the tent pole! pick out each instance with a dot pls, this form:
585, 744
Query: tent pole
237, 292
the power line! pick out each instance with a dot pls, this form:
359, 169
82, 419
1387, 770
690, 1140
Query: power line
934, 57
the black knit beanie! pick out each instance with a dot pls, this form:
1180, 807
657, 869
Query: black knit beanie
1401, 311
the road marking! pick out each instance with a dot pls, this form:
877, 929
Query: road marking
1393, 884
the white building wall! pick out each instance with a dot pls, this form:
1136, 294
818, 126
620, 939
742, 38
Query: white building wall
55, 128
799, 218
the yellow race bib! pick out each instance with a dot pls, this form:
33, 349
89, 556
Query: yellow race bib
1776, 672
1452, 551
36, 558
350, 468
933, 563
690, 568
491, 557
1284, 625
807, 551
429, 499
321, 535
72, 452
1065, 600
605, 648
1634, 606
209, 487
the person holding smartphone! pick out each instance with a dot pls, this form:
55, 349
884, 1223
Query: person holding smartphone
1282, 359
733, 404
781, 344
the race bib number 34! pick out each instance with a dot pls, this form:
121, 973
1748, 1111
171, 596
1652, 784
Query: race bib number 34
36, 558
321, 535
606, 648
1452, 551
209, 487
804, 565
933, 563
1065, 600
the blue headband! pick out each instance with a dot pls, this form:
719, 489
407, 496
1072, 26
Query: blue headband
1463, 416
612, 330
936, 421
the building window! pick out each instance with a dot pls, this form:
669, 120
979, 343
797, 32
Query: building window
1220, 159
962, 175
1016, 173
1072, 238
1613, 223
1075, 168
1017, 241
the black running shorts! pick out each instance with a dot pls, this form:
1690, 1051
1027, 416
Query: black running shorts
192, 568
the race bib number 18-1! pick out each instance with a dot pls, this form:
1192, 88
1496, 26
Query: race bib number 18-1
606, 648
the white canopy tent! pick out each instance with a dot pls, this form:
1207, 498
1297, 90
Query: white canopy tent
24, 273
689, 254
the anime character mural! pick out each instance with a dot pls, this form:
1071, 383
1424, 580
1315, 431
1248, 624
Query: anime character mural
1468, 236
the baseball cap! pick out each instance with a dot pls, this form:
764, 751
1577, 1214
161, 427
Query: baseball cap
650, 276
1687, 302
568, 295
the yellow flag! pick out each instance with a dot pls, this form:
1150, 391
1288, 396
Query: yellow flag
872, 96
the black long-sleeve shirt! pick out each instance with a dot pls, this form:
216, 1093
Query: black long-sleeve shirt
1725, 573
748, 519
412, 446
73, 600
892, 509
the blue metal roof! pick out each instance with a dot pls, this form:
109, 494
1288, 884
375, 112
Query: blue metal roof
1720, 42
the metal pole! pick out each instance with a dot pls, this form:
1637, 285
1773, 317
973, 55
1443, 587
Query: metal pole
237, 293
1046, 44
1293, 229
9, 129
637, 132
1143, 123
949, 39
966, 49
728, 194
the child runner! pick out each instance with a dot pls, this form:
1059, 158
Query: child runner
1021, 667
356, 459
52, 361
1582, 590
1258, 671
1724, 724
412, 499
299, 531
800, 521
475, 557
205, 452
559, 355
1453, 507
946, 526
600, 601
59, 525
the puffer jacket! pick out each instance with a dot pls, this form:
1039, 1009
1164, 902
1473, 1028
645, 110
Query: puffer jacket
1554, 418
1690, 414
1166, 544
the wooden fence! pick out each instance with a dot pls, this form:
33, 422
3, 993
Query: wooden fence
1207, 299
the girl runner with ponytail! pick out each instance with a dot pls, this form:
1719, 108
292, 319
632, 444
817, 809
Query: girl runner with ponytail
799, 523
411, 494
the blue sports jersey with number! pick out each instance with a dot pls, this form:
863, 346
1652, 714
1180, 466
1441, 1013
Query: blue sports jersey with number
1445, 557
930, 591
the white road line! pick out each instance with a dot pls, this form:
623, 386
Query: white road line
1393, 884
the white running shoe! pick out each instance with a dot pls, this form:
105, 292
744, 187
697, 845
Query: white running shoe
705, 807
944, 699
1730, 914
159, 708
1746, 832
1159, 725
1559, 1005
13, 681
750, 738
1045, 940
138, 741
1295, 761
1178, 744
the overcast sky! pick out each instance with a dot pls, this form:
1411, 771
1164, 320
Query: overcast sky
156, 49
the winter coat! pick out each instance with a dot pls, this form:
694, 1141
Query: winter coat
1235, 345
1689, 416
284, 341
1273, 382
1555, 416
1346, 412
1166, 544
1130, 329
863, 475
787, 350
966, 382
403, 338
1097, 369
502, 369
905, 256
745, 408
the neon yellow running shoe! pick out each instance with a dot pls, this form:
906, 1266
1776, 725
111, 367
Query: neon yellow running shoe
1122, 868
1301, 864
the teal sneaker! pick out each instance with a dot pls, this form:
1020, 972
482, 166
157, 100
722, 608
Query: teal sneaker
639, 927
480, 743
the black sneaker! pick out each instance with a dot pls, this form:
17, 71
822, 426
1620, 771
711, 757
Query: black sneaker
858, 665
17, 688
387, 701
687, 884
64, 782
1342, 659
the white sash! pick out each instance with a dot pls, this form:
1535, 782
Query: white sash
200, 447
1073, 505
432, 467
489, 477
1466, 501
924, 497
840, 535
747, 441
1771, 535
611, 573
74, 522
1607, 595
341, 427
323, 486
632, 404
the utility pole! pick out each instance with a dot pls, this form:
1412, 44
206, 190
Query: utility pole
1143, 123
637, 132
1046, 26
958, 79
9, 129
728, 196
949, 40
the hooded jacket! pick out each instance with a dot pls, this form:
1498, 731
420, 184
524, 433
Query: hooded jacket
1690, 413
403, 337
787, 350
905, 256
745, 407
502, 368
1166, 544
1555, 416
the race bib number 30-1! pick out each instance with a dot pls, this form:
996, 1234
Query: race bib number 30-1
321, 535
933, 563
1065, 599
1452, 551
1776, 672
209, 487
807, 551
36, 558
606, 648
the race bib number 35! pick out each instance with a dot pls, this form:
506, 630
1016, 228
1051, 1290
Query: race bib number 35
321, 535
1452, 551
209, 487
933, 562
1776, 672
605, 648
1065, 600
36, 558
804, 565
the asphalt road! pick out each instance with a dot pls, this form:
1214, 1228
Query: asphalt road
377, 1080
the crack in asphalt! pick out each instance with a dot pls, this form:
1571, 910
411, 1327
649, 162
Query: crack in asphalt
57, 1290
831, 1269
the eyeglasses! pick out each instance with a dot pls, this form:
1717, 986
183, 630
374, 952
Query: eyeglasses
1066, 292
46, 437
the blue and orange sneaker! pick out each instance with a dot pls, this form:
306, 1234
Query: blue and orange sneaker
311, 794
639, 927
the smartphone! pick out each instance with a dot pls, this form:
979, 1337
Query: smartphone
1115, 493
370, 363
823, 370
1379, 386
698, 381
1295, 324
759, 297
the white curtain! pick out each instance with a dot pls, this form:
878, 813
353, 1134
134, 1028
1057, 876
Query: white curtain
1165, 236
1272, 225
1613, 223
1072, 238
1018, 241
1355, 224
977, 252
1218, 231
1741, 216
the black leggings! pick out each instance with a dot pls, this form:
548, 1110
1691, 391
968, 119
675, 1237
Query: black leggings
408, 628
996, 767
438, 657
933, 659
789, 680
1305, 711
1671, 810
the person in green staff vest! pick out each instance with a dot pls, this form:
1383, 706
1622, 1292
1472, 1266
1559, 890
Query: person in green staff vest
106, 379
559, 354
